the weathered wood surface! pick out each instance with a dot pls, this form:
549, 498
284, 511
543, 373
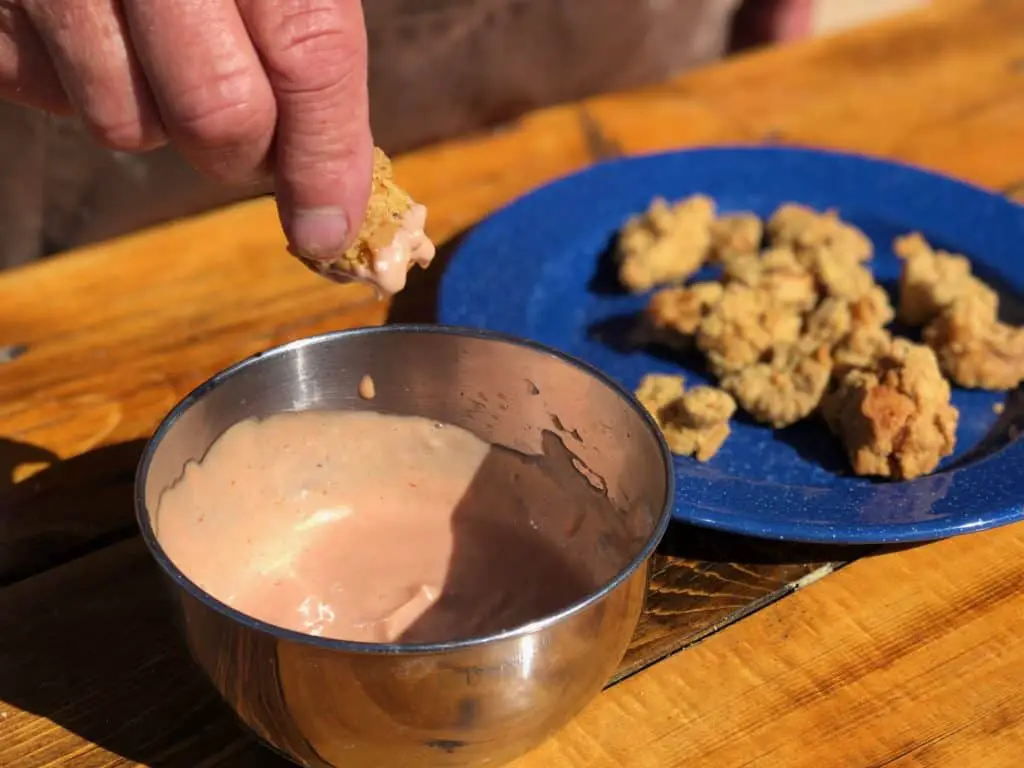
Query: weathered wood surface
909, 659
90, 673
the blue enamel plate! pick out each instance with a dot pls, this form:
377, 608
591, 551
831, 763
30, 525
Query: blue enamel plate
539, 269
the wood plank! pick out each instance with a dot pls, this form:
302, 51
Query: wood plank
907, 659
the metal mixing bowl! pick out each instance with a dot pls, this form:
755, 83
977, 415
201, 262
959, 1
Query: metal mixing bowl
478, 701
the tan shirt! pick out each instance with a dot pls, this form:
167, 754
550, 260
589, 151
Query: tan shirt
438, 68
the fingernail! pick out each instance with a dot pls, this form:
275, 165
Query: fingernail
319, 233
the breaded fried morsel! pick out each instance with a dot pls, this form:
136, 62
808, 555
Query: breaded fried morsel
894, 418
390, 241
872, 308
931, 280
673, 315
744, 325
778, 271
862, 347
788, 385
807, 231
785, 389
974, 349
829, 323
665, 244
735, 234
839, 274
694, 422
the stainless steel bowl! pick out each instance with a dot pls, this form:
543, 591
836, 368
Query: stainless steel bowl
479, 701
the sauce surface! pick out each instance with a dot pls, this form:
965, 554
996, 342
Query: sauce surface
381, 528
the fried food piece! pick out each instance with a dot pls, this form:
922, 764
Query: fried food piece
839, 274
895, 418
975, 349
665, 244
658, 390
872, 309
736, 234
390, 241
829, 323
852, 331
777, 271
674, 314
931, 280
789, 385
694, 422
807, 231
785, 389
862, 347
744, 325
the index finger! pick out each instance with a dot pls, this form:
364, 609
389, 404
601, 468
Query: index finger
314, 52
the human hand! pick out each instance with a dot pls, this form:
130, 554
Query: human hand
242, 88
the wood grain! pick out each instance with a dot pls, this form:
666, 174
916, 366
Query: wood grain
90, 674
907, 659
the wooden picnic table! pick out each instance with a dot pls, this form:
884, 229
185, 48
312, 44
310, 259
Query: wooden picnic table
792, 655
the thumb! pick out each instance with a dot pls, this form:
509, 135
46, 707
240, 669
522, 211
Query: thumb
314, 52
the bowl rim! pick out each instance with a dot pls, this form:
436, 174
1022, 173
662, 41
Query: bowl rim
183, 582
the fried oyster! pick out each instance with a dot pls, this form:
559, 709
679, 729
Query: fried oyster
807, 231
666, 243
695, 422
974, 349
894, 416
784, 389
673, 315
931, 280
391, 239
743, 326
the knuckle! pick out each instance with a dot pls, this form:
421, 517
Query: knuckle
313, 47
223, 111
121, 134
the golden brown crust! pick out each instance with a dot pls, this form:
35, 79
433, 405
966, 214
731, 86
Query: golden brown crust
673, 315
783, 390
694, 422
776, 271
931, 280
736, 234
665, 244
744, 325
974, 349
895, 417
385, 210
807, 231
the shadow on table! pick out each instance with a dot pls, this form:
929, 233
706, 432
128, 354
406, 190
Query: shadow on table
690, 542
89, 644
52, 511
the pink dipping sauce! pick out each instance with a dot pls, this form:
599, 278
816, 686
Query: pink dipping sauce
377, 528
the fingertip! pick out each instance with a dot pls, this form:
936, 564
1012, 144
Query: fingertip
322, 208
316, 233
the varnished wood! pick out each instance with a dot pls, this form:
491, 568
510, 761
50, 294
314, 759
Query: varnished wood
115, 334
907, 659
